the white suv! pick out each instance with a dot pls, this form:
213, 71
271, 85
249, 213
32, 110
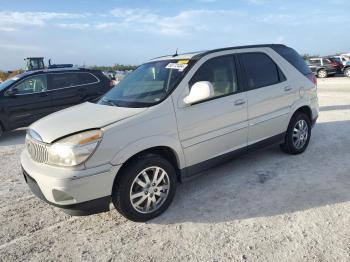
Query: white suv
167, 121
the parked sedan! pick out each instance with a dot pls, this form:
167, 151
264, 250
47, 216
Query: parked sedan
30, 96
322, 67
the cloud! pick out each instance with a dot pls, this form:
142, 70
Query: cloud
79, 26
189, 21
14, 20
14, 47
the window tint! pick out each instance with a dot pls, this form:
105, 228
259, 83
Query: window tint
220, 72
64, 80
261, 70
315, 62
326, 61
35, 84
293, 58
87, 78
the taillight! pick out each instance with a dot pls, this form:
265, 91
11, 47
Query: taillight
334, 64
312, 78
111, 83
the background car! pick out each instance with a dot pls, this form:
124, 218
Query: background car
337, 63
346, 69
32, 95
343, 58
322, 67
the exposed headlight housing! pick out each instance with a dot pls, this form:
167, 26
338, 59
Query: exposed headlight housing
75, 149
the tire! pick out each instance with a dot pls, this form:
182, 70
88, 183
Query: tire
291, 144
347, 72
322, 73
148, 194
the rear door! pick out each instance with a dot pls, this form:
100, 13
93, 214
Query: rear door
331, 69
270, 96
66, 89
30, 103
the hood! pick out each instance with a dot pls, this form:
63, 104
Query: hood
81, 117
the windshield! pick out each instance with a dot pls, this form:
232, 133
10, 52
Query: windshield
8, 82
149, 84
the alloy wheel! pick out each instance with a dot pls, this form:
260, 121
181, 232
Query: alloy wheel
322, 73
347, 72
149, 189
300, 134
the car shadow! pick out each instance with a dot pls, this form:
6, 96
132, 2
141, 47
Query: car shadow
269, 182
15, 137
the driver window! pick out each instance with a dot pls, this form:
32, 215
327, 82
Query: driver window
220, 72
31, 85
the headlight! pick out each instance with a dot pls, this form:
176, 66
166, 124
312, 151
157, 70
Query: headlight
75, 149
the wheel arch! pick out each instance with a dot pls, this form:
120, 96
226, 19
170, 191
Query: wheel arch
304, 109
321, 68
169, 148
163, 151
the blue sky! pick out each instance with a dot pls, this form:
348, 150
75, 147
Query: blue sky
105, 32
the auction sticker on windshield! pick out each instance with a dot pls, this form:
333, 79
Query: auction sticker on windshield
176, 66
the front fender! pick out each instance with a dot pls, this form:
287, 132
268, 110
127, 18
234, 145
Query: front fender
147, 143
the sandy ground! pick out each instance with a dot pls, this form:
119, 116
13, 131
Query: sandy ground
266, 206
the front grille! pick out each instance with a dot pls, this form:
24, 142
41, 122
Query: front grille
38, 151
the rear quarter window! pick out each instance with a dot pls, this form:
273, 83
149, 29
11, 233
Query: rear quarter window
293, 58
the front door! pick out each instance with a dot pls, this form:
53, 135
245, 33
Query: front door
28, 102
212, 128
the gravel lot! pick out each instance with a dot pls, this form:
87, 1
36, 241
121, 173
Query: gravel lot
266, 206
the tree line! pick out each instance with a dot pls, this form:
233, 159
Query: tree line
117, 67
6, 75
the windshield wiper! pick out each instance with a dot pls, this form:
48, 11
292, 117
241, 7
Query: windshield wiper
109, 102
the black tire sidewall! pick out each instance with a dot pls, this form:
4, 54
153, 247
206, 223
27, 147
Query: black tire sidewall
121, 188
289, 135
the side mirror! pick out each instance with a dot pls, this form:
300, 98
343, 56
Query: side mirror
12, 92
200, 91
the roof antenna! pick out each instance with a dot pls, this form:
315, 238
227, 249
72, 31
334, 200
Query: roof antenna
176, 54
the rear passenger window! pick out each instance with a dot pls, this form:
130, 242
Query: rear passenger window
326, 61
65, 80
261, 70
220, 72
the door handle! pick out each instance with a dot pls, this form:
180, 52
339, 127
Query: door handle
287, 88
239, 102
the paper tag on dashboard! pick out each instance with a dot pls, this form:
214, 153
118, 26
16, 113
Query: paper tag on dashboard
176, 66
